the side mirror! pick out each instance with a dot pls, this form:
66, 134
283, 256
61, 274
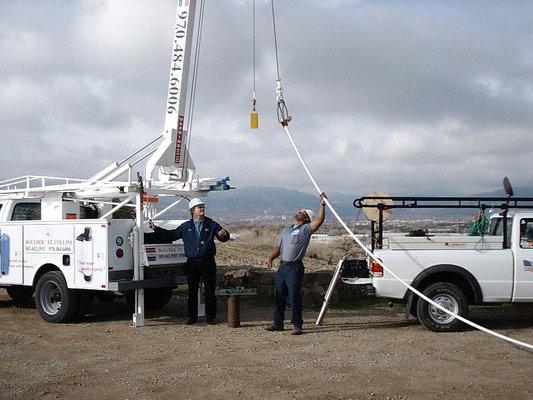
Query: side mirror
507, 186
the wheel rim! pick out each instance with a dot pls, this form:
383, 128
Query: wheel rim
449, 303
50, 297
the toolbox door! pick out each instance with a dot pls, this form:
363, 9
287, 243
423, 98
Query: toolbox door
90, 256
11, 255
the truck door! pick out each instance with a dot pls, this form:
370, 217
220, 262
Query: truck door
523, 288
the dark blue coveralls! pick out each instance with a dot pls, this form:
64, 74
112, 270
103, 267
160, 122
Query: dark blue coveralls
200, 250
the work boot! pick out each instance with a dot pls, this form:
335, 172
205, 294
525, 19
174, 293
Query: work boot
273, 328
192, 321
296, 330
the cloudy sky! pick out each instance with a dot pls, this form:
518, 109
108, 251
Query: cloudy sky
404, 97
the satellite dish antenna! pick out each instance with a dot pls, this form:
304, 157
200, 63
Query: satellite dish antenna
372, 213
507, 186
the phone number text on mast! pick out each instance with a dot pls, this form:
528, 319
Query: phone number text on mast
176, 69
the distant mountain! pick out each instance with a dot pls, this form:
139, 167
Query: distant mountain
519, 191
271, 201
274, 202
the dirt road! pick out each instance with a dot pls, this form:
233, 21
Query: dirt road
370, 353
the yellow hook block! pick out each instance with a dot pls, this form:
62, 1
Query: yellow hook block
254, 119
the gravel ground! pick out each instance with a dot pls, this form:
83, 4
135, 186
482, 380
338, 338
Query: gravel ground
365, 353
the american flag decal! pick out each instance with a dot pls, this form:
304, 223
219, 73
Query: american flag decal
528, 267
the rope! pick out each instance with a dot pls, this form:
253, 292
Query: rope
275, 39
480, 226
253, 46
283, 113
192, 96
373, 257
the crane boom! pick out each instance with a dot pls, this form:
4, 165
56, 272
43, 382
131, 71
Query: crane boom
171, 161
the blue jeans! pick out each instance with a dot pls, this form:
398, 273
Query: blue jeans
288, 283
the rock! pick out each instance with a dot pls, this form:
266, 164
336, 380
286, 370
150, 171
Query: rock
323, 277
309, 279
267, 277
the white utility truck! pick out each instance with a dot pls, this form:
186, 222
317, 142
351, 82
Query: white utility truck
454, 270
67, 259
63, 239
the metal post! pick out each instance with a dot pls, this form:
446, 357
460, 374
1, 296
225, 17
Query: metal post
380, 226
329, 292
504, 226
138, 270
201, 302
373, 235
234, 312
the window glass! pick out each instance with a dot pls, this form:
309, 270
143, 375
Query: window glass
496, 227
26, 212
526, 233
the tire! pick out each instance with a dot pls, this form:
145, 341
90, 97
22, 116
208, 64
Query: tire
449, 296
154, 298
20, 293
55, 302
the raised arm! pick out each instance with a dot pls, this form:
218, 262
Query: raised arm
319, 219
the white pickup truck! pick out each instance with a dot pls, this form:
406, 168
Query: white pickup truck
67, 259
456, 271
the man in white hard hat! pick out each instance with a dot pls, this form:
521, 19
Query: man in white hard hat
198, 235
291, 246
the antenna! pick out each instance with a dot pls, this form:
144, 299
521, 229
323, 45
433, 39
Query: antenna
507, 186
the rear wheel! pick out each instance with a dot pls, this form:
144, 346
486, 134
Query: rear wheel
448, 296
20, 293
55, 302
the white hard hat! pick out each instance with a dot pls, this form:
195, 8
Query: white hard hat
310, 213
195, 202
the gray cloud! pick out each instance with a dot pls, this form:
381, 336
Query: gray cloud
407, 98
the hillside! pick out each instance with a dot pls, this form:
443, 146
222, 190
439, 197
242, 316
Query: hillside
261, 201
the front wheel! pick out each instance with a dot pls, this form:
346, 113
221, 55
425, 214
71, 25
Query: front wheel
448, 296
53, 299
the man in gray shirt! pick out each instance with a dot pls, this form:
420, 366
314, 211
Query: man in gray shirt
291, 246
